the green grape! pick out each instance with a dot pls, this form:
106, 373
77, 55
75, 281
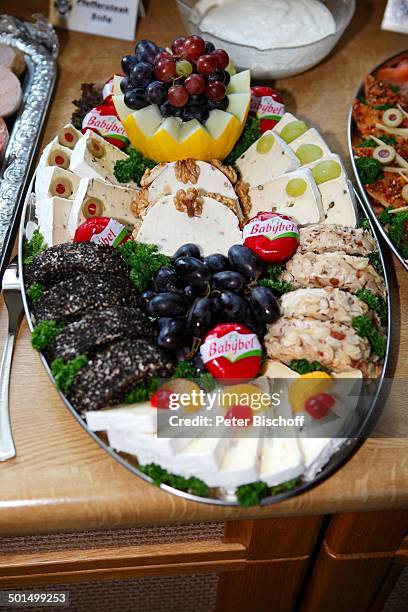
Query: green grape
296, 187
326, 171
184, 68
309, 153
265, 143
293, 130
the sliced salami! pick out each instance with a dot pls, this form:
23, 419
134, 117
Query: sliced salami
10, 92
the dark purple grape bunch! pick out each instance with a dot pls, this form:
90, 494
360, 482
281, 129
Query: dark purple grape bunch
194, 294
187, 83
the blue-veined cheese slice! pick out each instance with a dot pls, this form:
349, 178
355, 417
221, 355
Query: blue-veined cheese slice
215, 230
46, 182
97, 198
272, 196
258, 167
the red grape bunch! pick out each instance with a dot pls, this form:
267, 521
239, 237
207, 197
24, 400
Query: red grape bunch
187, 83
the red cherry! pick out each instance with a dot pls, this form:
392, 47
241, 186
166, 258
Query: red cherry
215, 90
178, 96
319, 405
193, 47
166, 70
207, 64
177, 45
240, 412
222, 58
162, 55
161, 399
195, 84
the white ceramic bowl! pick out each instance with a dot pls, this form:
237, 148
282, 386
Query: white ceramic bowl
279, 62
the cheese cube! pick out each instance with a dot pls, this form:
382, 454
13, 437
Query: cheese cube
53, 215
96, 198
95, 157
68, 136
140, 417
273, 196
312, 136
266, 159
55, 154
281, 460
285, 119
54, 181
214, 230
339, 202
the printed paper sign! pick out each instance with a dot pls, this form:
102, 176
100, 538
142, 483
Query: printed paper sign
112, 18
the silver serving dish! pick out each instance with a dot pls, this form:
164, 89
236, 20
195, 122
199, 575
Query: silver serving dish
39, 43
365, 198
365, 415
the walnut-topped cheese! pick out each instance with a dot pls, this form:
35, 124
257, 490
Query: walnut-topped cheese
187, 171
141, 202
225, 169
189, 201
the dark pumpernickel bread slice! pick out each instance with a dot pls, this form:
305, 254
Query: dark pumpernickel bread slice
110, 374
64, 261
97, 330
73, 298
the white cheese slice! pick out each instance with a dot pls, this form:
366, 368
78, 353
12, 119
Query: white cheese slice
75, 135
272, 196
96, 198
132, 441
312, 136
281, 460
316, 452
50, 152
285, 119
210, 180
276, 370
86, 165
140, 417
258, 168
53, 215
331, 157
339, 202
45, 177
214, 231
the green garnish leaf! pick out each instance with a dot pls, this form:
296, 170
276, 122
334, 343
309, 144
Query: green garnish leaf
207, 382
388, 140
394, 88
184, 369
395, 225
35, 291
375, 302
375, 261
44, 334
285, 486
64, 371
250, 134
364, 224
161, 476
33, 247
143, 392
132, 168
303, 366
271, 280
369, 169
144, 260
252, 494
366, 328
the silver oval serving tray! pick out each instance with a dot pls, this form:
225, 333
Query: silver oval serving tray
365, 198
39, 43
365, 415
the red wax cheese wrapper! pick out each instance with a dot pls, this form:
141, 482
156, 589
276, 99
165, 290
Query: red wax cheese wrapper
102, 230
272, 237
104, 120
267, 105
231, 351
108, 90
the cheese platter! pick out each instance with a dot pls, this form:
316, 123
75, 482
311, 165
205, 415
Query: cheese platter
173, 247
378, 141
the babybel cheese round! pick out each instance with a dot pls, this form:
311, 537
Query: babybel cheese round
232, 352
272, 237
267, 105
104, 120
102, 230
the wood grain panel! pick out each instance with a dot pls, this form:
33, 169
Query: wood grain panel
61, 480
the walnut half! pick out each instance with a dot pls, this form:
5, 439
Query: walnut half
227, 170
189, 201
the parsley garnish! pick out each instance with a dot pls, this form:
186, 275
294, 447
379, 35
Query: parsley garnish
35, 291
369, 169
33, 247
272, 281
365, 328
303, 366
395, 226
374, 302
252, 494
388, 140
44, 334
144, 260
250, 134
143, 392
64, 371
132, 168
161, 476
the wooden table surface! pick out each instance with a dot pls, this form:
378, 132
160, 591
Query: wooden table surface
61, 480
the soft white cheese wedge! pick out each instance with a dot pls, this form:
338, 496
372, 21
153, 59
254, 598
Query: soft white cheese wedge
140, 417
53, 215
339, 202
54, 181
55, 154
316, 452
266, 159
313, 137
68, 136
94, 157
132, 441
281, 460
210, 180
276, 196
333, 158
285, 119
276, 370
97, 198
214, 231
